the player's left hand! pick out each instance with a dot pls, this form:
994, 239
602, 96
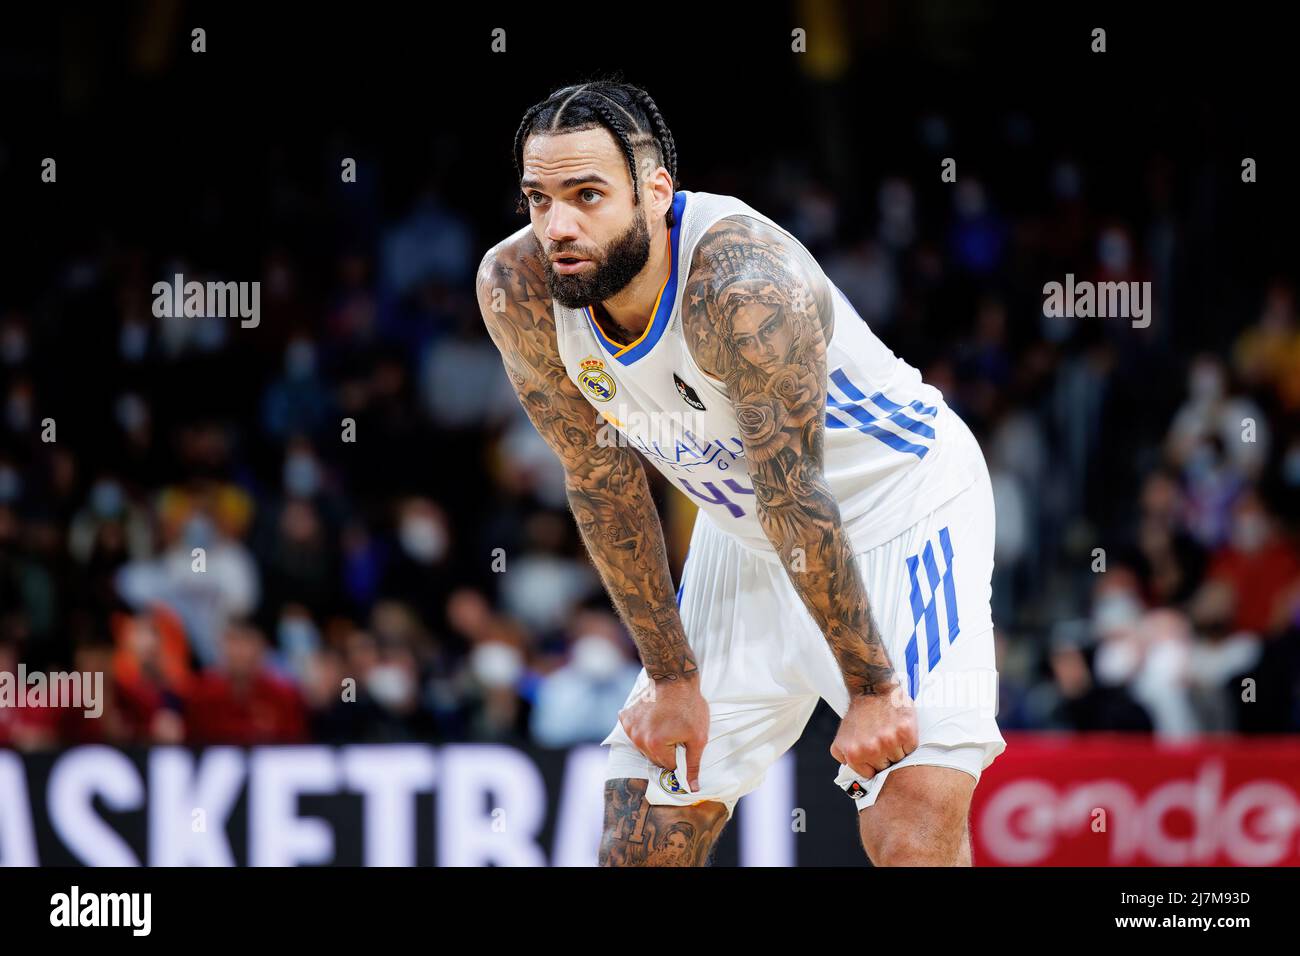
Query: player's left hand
877, 730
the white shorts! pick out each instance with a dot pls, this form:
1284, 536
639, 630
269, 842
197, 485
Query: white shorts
764, 663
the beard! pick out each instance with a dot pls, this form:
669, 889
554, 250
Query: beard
609, 274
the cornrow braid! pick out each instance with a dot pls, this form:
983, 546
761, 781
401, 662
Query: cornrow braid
662, 135
627, 111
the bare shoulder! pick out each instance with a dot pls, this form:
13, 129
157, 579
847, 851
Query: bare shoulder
517, 309
519, 244
514, 267
742, 261
518, 313
742, 231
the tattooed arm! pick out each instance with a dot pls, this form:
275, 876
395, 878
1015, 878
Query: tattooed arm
606, 485
758, 317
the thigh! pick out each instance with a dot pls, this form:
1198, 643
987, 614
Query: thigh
638, 833
919, 818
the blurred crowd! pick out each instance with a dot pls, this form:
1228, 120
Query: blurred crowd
181, 508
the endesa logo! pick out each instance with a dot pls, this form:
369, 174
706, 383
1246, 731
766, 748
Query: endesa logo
1202, 815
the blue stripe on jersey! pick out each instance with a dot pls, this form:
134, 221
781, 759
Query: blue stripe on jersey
933, 648
683, 582
899, 418
912, 425
918, 609
852, 391
875, 431
880, 399
928, 611
949, 589
867, 421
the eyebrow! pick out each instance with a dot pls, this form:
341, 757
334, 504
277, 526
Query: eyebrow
529, 182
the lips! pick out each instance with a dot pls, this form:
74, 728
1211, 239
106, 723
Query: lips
568, 264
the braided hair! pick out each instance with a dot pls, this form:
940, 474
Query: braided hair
627, 111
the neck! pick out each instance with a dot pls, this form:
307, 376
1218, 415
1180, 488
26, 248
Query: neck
632, 309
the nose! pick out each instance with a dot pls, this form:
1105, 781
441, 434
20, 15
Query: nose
561, 223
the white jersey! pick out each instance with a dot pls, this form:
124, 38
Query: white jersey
892, 448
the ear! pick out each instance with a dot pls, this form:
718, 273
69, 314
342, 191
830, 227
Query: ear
657, 193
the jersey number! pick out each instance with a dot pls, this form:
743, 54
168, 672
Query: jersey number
717, 497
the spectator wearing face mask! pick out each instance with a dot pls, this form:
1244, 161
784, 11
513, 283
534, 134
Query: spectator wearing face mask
393, 689
579, 702
497, 711
1117, 611
1073, 699
1259, 563
1156, 660
1212, 412
227, 586
1167, 558
454, 690
108, 503
297, 402
1152, 660
417, 573
544, 583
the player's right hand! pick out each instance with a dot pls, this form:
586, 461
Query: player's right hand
669, 713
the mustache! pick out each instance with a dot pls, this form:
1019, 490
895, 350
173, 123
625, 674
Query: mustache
565, 249
571, 251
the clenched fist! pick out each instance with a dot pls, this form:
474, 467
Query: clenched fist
877, 730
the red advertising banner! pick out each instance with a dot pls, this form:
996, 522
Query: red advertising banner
1124, 800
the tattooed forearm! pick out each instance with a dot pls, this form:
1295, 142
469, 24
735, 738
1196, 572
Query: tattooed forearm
638, 833
618, 521
606, 483
758, 316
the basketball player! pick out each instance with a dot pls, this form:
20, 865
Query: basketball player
843, 547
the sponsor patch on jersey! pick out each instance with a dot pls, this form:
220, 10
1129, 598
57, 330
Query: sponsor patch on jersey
856, 790
687, 393
595, 381
668, 782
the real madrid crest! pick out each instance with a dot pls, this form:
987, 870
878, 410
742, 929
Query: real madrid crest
595, 381
668, 782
